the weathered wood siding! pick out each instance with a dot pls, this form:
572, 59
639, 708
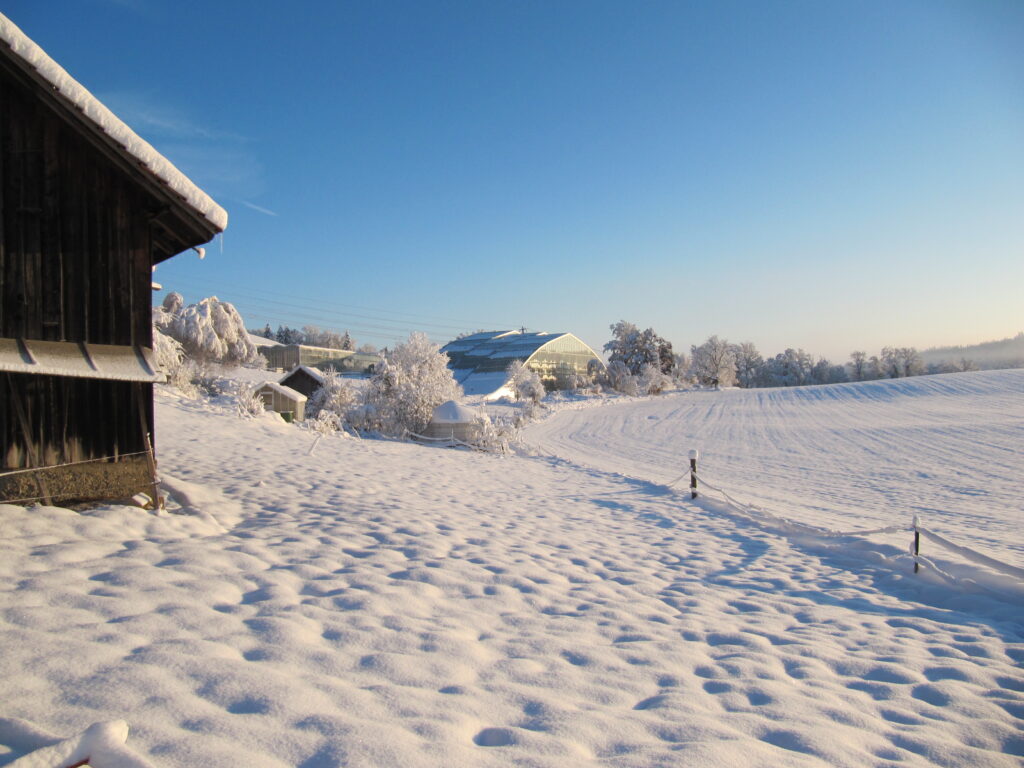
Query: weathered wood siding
76, 259
75, 253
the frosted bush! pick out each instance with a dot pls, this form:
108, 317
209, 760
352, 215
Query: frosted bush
170, 359
363, 418
527, 413
249, 404
652, 381
495, 436
524, 382
208, 380
325, 423
408, 384
336, 396
619, 379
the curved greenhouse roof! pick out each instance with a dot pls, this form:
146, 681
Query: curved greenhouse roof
479, 361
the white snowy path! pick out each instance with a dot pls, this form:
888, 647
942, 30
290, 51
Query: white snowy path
383, 604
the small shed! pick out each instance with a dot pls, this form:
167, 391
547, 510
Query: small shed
452, 421
284, 400
303, 379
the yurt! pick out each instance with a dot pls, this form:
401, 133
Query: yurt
452, 421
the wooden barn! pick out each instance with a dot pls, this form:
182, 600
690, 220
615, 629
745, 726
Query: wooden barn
87, 208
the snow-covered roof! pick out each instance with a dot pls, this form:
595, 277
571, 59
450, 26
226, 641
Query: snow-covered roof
106, 121
281, 389
262, 341
313, 373
453, 413
87, 361
509, 345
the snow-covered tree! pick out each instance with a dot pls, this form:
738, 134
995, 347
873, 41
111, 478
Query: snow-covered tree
890, 363
367, 349
408, 384
875, 369
524, 382
173, 302
749, 364
791, 368
286, 335
714, 363
823, 372
909, 361
858, 365
209, 331
635, 348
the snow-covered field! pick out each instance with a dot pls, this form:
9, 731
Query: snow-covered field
947, 448
385, 604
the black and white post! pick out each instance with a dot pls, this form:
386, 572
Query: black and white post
917, 544
694, 455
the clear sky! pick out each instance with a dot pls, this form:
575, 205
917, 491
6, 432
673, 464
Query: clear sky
807, 174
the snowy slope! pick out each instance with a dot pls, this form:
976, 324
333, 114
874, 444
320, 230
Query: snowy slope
386, 604
949, 448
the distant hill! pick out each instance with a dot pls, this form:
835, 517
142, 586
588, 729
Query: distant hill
1005, 353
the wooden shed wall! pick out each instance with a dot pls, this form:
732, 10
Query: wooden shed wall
75, 246
76, 254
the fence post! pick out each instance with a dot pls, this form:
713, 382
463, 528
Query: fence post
917, 544
694, 455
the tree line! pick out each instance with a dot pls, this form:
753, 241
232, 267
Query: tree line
643, 356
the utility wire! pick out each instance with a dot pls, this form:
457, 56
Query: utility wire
422, 319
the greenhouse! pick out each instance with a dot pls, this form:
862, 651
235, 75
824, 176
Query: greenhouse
285, 357
479, 362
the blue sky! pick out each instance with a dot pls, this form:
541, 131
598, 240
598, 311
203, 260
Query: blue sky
825, 175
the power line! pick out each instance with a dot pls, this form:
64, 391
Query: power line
254, 293
280, 320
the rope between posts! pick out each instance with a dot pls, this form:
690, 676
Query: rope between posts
813, 529
448, 441
966, 552
683, 476
973, 555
